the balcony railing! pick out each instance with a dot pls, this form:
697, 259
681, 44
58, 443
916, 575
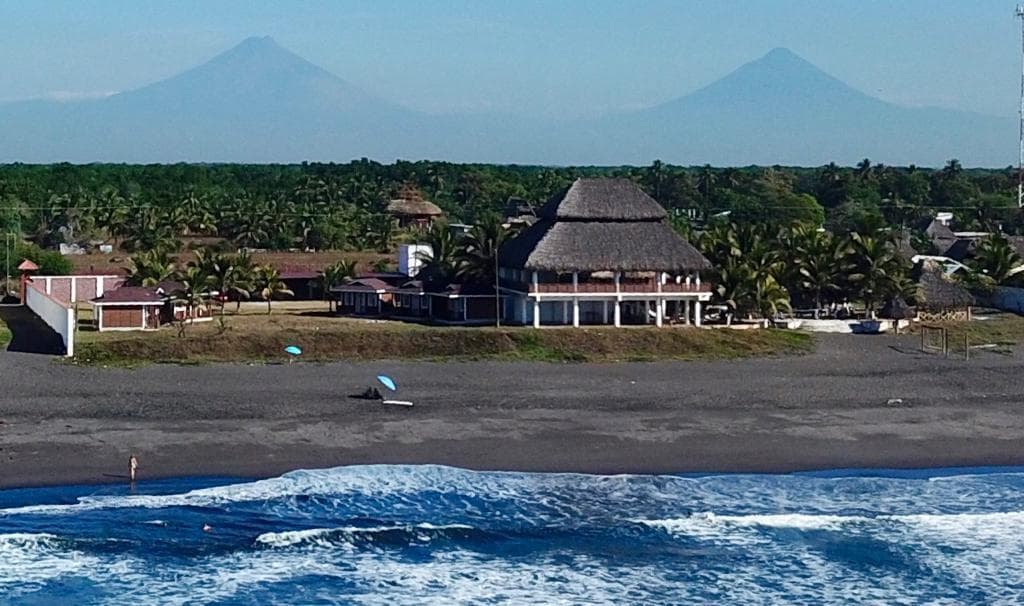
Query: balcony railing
632, 286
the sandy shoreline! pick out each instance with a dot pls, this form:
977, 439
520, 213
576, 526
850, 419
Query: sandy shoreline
64, 424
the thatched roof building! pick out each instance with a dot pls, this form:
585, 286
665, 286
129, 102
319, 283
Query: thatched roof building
411, 208
936, 291
896, 309
602, 224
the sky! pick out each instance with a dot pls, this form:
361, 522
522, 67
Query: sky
526, 56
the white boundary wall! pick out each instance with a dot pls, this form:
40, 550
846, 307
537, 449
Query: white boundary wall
57, 316
74, 288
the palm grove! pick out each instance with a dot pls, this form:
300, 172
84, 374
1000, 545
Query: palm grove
777, 236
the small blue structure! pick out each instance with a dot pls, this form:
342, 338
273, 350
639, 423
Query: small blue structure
388, 382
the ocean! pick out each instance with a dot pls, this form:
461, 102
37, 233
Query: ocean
394, 534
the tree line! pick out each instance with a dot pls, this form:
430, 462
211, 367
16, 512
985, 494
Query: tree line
343, 206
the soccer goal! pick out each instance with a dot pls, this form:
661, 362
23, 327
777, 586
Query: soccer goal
934, 339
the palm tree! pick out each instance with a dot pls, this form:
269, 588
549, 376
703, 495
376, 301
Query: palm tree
822, 262
864, 169
194, 292
244, 277
706, 184
877, 269
442, 263
734, 287
224, 276
269, 284
333, 275
150, 268
770, 297
381, 232
996, 258
478, 251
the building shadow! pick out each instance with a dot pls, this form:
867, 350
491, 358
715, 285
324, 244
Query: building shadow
29, 334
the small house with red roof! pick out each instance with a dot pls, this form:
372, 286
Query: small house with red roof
144, 308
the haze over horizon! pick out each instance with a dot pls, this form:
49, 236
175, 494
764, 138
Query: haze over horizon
685, 82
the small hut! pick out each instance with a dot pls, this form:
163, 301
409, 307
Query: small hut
897, 310
940, 297
410, 208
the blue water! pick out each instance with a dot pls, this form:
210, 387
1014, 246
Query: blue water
426, 534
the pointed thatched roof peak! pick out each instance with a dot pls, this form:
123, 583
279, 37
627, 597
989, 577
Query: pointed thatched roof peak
602, 199
411, 203
602, 225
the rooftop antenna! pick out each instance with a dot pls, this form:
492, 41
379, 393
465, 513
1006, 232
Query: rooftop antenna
1020, 159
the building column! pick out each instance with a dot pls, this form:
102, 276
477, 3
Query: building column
99, 317
74, 290
99, 286
465, 310
696, 313
565, 312
48, 285
659, 318
604, 312
686, 311
618, 313
536, 312
576, 312
522, 310
144, 326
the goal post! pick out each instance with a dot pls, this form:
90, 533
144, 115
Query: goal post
934, 339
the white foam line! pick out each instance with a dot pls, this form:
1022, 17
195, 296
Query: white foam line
294, 537
800, 521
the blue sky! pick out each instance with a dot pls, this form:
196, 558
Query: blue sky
555, 57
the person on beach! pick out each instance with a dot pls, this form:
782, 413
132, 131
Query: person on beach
133, 465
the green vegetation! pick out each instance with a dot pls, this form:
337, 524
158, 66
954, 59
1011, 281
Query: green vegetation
5, 334
342, 206
1003, 331
255, 336
763, 270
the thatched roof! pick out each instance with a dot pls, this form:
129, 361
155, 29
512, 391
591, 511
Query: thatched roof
936, 229
905, 247
896, 309
936, 291
519, 207
414, 207
602, 224
1017, 242
961, 249
602, 200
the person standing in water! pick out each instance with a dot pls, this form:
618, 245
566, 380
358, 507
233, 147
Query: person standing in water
133, 465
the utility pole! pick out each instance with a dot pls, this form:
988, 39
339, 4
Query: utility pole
1020, 134
497, 287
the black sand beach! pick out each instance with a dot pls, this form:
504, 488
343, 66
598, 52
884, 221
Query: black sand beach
64, 424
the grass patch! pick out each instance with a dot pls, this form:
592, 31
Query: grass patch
1004, 331
261, 338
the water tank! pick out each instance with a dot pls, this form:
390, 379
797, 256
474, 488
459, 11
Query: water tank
410, 258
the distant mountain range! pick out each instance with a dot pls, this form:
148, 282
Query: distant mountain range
259, 102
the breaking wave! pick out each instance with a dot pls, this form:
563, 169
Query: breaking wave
432, 534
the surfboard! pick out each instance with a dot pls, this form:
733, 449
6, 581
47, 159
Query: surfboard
397, 402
